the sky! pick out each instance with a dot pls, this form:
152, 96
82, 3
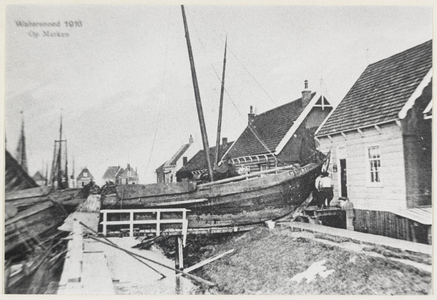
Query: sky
121, 79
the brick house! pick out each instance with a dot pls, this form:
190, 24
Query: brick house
381, 148
84, 177
281, 136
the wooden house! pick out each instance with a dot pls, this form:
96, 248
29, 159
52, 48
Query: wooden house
167, 171
281, 136
128, 175
84, 177
197, 165
381, 149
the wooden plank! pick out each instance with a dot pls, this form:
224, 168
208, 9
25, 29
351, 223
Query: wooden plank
198, 279
182, 202
207, 261
149, 190
90, 219
27, 193
29, 212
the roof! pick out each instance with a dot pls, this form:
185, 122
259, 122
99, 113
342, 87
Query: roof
271, 127
173, 160
89, 175
381, 91
38, 177
111, 172
198, 161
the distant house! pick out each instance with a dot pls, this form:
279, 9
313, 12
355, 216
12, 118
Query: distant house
112, 174
281, 136
128, 175
167, 171
84, 177
381, 146
39, 179
197, 165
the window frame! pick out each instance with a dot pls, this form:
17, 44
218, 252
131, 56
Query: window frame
368, 160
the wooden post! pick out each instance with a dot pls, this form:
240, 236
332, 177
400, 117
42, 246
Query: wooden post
76, 253
158, 223
131, 223
105, 217
179, 263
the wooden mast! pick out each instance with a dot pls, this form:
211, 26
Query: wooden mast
197, 96
219, 126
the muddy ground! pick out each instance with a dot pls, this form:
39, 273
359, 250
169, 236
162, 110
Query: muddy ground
267, 261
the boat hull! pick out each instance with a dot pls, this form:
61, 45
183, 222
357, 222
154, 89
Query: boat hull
32, 223
233, 203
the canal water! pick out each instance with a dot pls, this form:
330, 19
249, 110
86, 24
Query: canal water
130, 277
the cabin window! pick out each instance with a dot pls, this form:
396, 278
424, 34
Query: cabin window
85, 174
374, 164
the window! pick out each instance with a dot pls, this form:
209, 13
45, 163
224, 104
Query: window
374, 164
85, 174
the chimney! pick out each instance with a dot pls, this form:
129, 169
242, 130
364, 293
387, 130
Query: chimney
224, 141
306, 95
190, 141
184, 161
251, 116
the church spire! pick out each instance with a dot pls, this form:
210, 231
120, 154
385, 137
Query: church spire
21, 148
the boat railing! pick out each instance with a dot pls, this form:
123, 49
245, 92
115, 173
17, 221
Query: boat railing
157, 221
250, 175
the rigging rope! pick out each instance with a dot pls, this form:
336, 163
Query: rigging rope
252, 129
160, 98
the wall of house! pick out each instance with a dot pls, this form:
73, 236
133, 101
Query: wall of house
299, 147
417, 135
390, 193
316, 117
83, 182
391, 225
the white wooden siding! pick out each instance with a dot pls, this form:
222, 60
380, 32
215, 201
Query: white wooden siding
391, 193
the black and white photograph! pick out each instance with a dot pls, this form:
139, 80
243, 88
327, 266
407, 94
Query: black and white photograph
218, 149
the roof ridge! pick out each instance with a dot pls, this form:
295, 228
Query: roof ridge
288, 103
409, 50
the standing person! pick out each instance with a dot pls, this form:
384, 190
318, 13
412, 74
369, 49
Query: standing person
325, 187
316, 192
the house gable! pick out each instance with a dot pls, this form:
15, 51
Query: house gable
85, 174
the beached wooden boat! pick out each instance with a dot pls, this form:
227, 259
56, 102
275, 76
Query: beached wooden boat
235, 201
240, 200
33, 223
23, 199
30, 272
